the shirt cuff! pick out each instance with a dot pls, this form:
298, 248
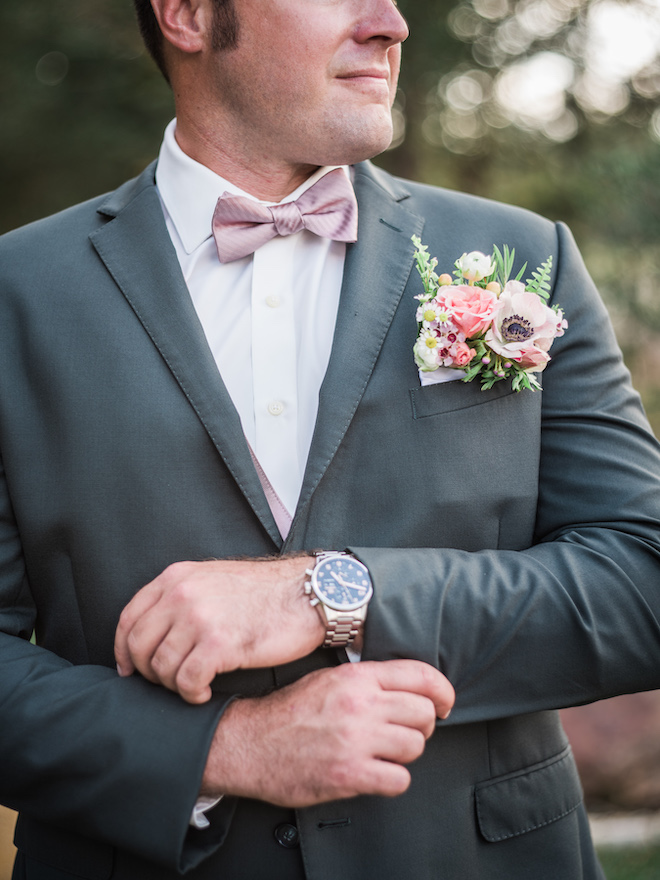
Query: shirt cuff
198, 817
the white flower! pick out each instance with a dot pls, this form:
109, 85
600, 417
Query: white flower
475, 266
426, 351
434, 314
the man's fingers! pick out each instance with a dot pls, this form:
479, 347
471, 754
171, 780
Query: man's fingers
419, 678
195, 673
144, 639
172, 659
169, 655
410, 710
400, 744
142, 602
385, 778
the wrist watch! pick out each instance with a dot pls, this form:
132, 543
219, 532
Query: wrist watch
340, 587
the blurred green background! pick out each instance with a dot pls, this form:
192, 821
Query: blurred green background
550, 104
631, 864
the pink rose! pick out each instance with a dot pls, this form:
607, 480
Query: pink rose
523, 328
462, 354
472, 308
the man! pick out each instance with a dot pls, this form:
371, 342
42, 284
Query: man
185, 422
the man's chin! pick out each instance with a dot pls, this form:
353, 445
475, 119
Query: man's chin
358, 146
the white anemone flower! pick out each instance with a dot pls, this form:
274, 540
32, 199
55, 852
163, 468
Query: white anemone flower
524, 328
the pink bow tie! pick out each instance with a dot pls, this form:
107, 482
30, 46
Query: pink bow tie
328, 209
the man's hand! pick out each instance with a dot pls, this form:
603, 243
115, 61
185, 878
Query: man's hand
335, 733
198, 619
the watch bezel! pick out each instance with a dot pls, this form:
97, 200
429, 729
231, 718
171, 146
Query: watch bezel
327, 600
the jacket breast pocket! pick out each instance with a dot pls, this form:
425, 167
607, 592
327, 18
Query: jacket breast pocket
446, 397
516, 803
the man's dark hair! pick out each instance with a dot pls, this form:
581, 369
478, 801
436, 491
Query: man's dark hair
225, 29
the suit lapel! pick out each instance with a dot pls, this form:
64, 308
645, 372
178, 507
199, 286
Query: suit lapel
375, 275
137, 251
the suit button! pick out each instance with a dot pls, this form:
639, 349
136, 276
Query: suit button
287, 836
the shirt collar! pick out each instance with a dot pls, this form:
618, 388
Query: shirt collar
190, 190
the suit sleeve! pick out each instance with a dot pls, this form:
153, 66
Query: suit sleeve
573, 617
117, 760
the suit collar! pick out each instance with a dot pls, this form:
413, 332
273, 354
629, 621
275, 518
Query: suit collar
368, 173
122, 197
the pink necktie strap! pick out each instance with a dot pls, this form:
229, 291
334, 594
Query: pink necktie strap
328, 209
281, 515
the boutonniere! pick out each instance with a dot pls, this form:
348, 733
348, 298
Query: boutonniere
483, 323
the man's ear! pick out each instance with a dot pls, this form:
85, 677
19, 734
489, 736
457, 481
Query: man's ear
185, 24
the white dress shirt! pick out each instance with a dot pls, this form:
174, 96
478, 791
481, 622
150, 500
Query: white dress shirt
269, 318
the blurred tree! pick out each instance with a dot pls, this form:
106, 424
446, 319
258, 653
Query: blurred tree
552, 67
81, 105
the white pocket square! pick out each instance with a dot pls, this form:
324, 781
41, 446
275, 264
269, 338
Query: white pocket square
442, 374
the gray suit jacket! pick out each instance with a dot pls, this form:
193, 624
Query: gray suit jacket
513, 541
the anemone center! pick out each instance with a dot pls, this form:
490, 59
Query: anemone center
516, 329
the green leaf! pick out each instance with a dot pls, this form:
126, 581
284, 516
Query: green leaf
539, 283
425, 266
521, 273
472, 373
488, 383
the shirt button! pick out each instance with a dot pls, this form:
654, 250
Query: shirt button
287, 836
273, 301
276, 407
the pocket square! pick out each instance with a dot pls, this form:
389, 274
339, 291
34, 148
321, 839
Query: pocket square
442, 374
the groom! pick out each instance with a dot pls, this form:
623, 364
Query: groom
189, 413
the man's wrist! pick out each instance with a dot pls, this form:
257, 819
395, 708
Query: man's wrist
312, 618
227, 752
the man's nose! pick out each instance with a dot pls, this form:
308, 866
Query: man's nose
381, 19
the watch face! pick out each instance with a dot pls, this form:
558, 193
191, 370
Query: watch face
342, 583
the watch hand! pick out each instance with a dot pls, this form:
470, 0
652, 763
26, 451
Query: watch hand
350, 584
